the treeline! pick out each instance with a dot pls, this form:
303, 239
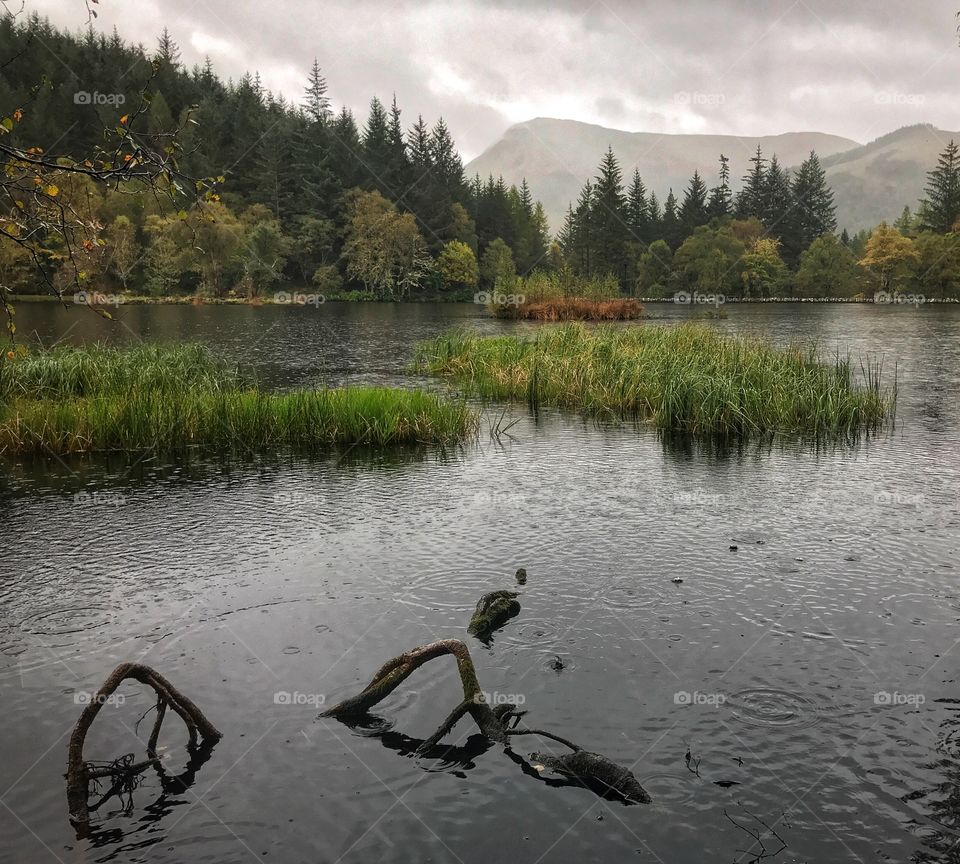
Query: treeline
304, 188
775, 237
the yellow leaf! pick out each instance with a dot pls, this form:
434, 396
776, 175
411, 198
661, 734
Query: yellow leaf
123, 119
53, 191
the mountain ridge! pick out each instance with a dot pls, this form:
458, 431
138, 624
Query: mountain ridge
871, 181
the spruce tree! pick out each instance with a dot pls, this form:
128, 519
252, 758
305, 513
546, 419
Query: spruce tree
750, 199
941, 208
583, 232
609, 210
813, 213
693, 210
776, 204
671, 229
316, 102
376, 151
720, 203
638, 212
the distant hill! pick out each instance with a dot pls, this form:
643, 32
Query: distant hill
871, 182
557, 157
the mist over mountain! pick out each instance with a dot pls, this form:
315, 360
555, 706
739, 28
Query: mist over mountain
871, 182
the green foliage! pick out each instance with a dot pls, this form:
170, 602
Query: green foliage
941, 208
763, 272
496, 265
689, 378
655, 271
458, 265
828, 269
889, 257
98, 399
710, 261
384, 250
937, 270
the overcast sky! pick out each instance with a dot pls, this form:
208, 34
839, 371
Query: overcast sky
853, 68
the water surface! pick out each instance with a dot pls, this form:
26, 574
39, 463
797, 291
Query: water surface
809, 674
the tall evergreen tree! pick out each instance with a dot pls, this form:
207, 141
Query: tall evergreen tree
376, 151
720, 203
750, 199
670, 228
316, 102
776, 204
941, 208
813, 213
583, 238
609, 219
693, 210
638, 212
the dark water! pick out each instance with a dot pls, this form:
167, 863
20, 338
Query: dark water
247, 579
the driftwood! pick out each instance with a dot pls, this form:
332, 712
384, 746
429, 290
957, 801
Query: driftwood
498, 724
492, 612
394, 672
122, 772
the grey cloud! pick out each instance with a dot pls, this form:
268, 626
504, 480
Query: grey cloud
748, 68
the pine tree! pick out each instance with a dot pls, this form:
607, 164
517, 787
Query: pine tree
638, 212
750, 199
813, 213
941, 208
693, 210
168, 52
316, 101
720, 203
398, 173
609, 210
670, 229
776, 199
583, 234
376, 151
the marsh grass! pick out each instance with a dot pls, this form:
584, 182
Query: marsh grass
689, 379
97, 370
574, 309
182, 397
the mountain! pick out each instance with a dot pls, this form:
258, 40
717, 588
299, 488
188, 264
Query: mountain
557, 156
874, 182
871, 182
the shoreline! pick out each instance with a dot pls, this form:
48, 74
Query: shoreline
191, 300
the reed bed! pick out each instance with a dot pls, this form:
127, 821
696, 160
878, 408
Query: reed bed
574, 309
92, 370
688, 379
180, 398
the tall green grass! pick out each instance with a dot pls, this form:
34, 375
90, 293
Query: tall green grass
182, 397
690, 378
91, 370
